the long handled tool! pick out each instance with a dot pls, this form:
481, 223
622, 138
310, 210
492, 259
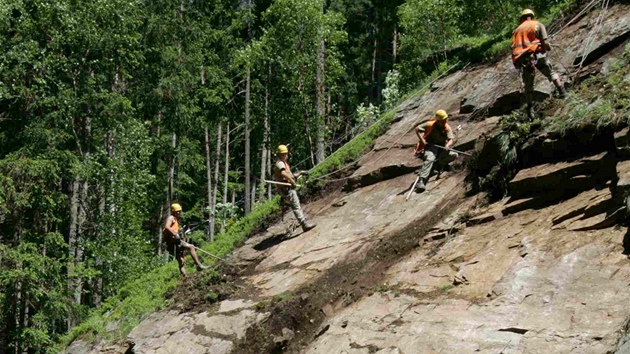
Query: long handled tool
189, 229
412, 188
457, 151
282, 183
208, 253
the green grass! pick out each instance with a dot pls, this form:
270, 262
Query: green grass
598, 102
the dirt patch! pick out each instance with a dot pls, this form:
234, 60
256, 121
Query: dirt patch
200, 290
303, 311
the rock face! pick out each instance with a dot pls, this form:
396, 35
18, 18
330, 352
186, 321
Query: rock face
512, 285
170, 332
542, 271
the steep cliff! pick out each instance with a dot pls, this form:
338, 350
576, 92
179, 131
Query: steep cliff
449, 270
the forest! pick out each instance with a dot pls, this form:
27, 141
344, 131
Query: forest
111, 110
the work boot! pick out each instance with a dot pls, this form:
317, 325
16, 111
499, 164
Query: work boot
562, 92
420, 187
201, 267
530, 112
307, 226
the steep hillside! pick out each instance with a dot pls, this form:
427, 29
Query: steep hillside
450, 270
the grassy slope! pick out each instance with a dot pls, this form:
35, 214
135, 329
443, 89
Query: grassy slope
598, 101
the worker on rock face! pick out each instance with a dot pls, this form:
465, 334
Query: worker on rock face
177, 244
436, 139
529, 51
282, 173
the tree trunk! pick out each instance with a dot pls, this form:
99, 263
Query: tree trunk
25, 319
268, 134
247, 117
307, 124
213, 207
171, 170
253, 201
78, 202
209, 234
73, 243
247, 146
265, 146
269, 174
395, 46
96, 283
158, 134
374, 51
320, 105
227, 169
263, 170
16, 313
171, 179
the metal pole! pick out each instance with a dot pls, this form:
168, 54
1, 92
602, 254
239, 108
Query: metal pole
412, 188
457, 151
209, 254
282, 183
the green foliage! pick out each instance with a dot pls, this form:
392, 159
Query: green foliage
492, 168
446, 30
432, 26
597, 103
353, 149
391, 93
126, 308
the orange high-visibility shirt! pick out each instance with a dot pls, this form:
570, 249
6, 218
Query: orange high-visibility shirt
525, 40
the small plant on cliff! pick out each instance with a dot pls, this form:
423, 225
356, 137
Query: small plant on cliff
598, 102
496, 163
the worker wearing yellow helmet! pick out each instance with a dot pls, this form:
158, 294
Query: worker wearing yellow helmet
177, 244
282, 173
530, 44
435, 138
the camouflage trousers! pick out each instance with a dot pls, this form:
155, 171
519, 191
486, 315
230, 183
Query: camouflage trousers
527, 65
291, 199
433, 154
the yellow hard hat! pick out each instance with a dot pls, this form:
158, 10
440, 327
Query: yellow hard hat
441, 115
282, 149
527, 12
176, 207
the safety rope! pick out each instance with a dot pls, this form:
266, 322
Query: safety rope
584, 10
591, 36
